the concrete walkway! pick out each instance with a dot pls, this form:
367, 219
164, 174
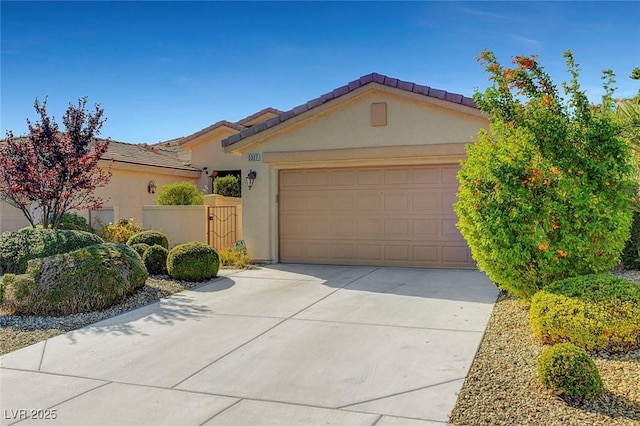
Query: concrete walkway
278, 345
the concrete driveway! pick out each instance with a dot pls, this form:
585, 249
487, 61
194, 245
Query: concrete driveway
279, 345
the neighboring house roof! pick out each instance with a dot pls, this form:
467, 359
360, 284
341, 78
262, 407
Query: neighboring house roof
341, 91
239, 125
142, 154
221, 123
148, 155
253, 116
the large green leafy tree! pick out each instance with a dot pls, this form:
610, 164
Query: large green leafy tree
546, 192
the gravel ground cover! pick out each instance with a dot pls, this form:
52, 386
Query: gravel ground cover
502, 386
17, 332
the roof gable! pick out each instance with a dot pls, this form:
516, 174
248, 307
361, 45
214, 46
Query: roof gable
348, 88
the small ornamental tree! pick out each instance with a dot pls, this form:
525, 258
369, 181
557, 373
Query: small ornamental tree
545, 193
179, 194
55, 171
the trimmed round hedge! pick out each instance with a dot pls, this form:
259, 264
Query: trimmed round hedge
193, 261
140, 248
570, 371
91, 278
149, 237
594, 312
17, 248
155, 259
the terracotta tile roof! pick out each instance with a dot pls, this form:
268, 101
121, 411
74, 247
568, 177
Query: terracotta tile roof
148, 155
258, 114
343, 90
216, 125
143, 154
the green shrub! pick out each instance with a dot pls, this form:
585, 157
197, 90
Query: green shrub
155, 259
193, 261
228, 186
140, 248
75, 222
119, 232
179, 194
234, 258
149, 237
91, 278
569, 371
593, 311
17, 248
546, 193
631, 254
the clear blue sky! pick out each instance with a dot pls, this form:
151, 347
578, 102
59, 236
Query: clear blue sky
168, 69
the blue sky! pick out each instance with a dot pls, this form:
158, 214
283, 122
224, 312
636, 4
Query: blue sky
162, 70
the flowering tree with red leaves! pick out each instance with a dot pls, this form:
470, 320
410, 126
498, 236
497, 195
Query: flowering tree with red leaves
50, 172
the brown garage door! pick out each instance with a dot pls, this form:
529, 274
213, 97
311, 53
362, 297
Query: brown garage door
400, 216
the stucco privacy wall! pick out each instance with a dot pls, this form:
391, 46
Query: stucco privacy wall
11, 218
419, 130
180, 224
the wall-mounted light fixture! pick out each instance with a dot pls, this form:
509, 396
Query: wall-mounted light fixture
205, 170
151, 187
251, 176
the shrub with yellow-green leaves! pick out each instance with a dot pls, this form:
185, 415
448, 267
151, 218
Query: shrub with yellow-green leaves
594, 312
545, 193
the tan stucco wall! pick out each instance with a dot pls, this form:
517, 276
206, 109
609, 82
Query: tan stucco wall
11, 218
180, 224
341, 135
127, 189
206, 151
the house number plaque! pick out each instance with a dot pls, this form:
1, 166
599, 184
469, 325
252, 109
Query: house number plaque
254, 156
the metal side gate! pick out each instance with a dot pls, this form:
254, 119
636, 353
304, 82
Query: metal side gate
221, 226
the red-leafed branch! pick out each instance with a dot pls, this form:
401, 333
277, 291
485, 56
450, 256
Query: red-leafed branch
50, 172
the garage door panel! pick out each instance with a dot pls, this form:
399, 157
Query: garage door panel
399, 216
343, 227
425, 201
426, 229
400, 200
369, 253
343, 202
427, 254
318, 202
455, 255
343, 252
292, 203
450, 175
369, 201
425, 176
397, 253
319, 227
398, 229
369, 177
397, 177
342, 178
293, 227
369, 227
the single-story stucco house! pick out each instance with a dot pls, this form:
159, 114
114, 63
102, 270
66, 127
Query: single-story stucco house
362, 175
